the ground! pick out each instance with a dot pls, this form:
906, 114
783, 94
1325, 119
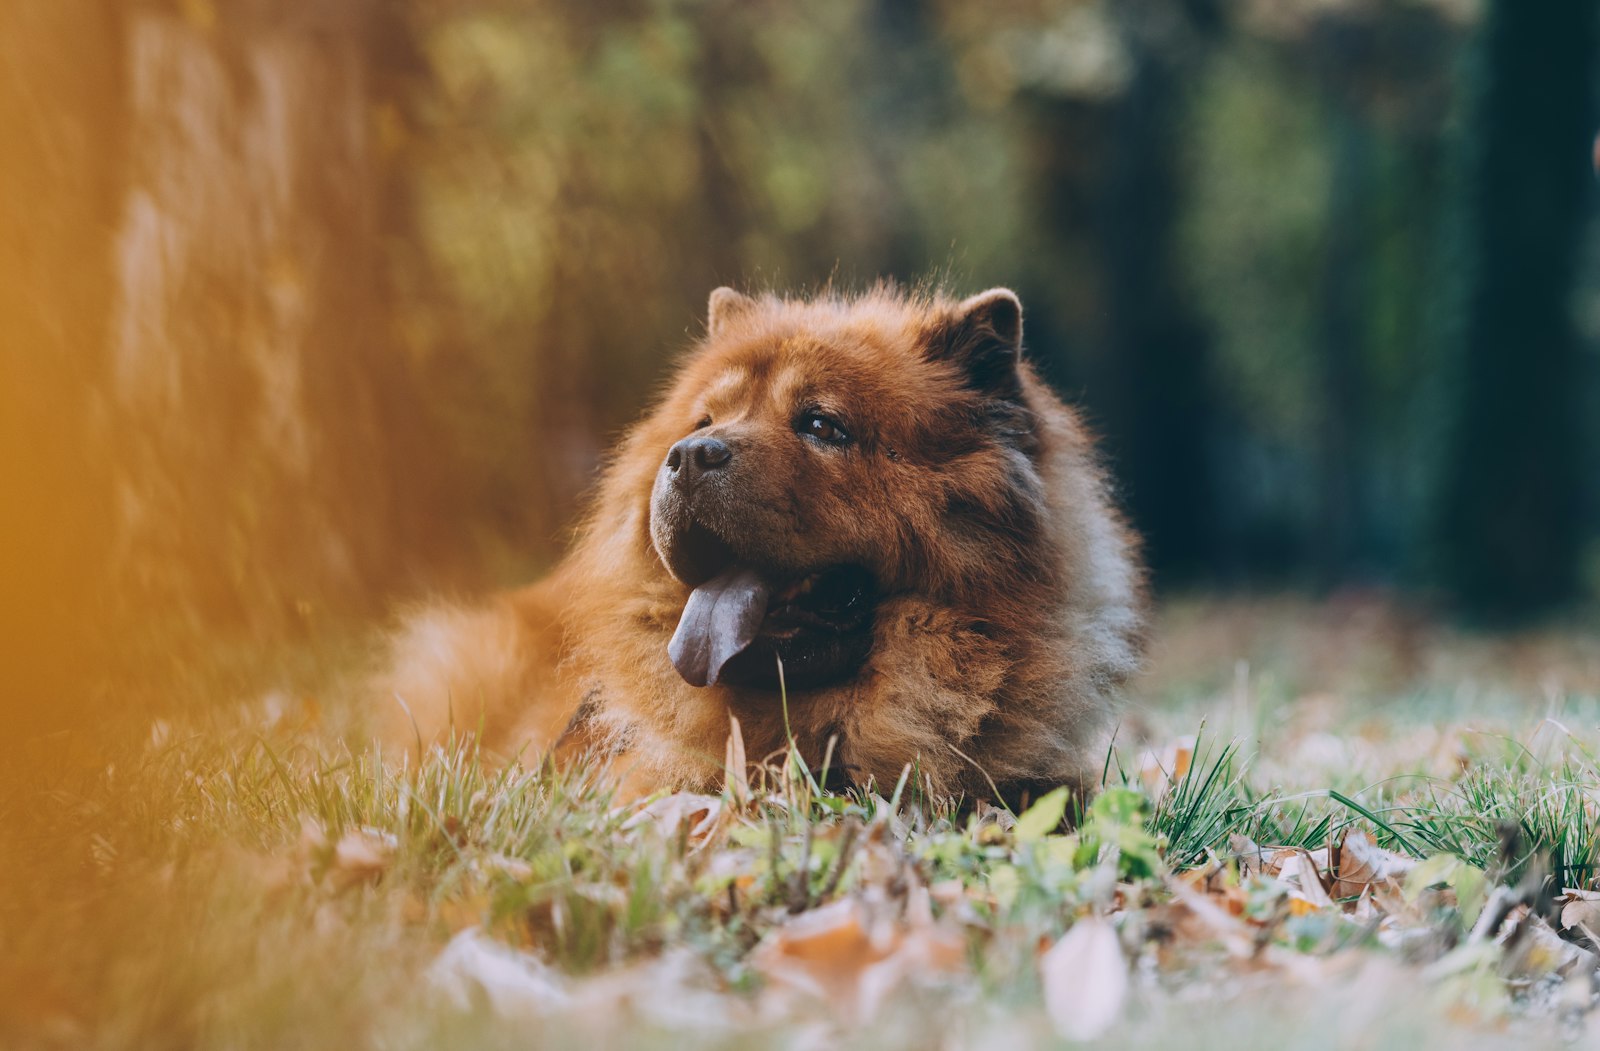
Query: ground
1325, 825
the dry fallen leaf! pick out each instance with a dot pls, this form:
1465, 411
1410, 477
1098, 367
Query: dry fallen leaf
1362, 865
701, 814
475, 971
1205, 919
677, 991
1247, 853
361, 855
1580, 914
1085, 979
1365, 910
847, 958
1299, 872
1533, 949
1273, 862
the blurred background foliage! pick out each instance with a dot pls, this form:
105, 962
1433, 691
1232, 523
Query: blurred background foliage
309, 306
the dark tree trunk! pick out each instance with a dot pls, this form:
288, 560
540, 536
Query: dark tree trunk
1340, 352
1157, 402
1508, 518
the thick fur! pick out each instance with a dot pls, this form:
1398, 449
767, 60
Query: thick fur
1012, 602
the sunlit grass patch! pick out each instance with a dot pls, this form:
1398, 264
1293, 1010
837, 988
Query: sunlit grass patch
263, 882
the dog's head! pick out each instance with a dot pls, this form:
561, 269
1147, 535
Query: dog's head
816, 456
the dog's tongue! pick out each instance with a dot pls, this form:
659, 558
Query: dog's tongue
723, 617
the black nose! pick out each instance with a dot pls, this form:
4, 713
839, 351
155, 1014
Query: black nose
692, 457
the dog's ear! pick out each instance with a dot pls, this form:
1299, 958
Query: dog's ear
725, 305
983, 335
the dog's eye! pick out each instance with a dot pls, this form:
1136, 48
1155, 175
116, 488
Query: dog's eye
822, 428
702, 423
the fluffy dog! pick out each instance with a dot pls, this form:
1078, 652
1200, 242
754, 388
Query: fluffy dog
862, 519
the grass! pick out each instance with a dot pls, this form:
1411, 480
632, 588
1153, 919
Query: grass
225, 881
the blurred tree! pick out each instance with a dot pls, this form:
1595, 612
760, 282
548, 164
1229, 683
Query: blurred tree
1314, 206
270, 439
1383, 77
60, 65
1508, 525
1160, 400
1104, 89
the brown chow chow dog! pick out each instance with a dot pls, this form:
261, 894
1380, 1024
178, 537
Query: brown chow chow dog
876, 495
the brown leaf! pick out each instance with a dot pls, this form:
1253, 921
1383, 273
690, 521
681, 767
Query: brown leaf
1365, 911
701, 814
1361, 865
1274, 861
1533, 949
1248, 854
835, 936
360, 856
841, 955
1204, 918
1306, 892
1580, 914
474, 969
1085, 978
678, 991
